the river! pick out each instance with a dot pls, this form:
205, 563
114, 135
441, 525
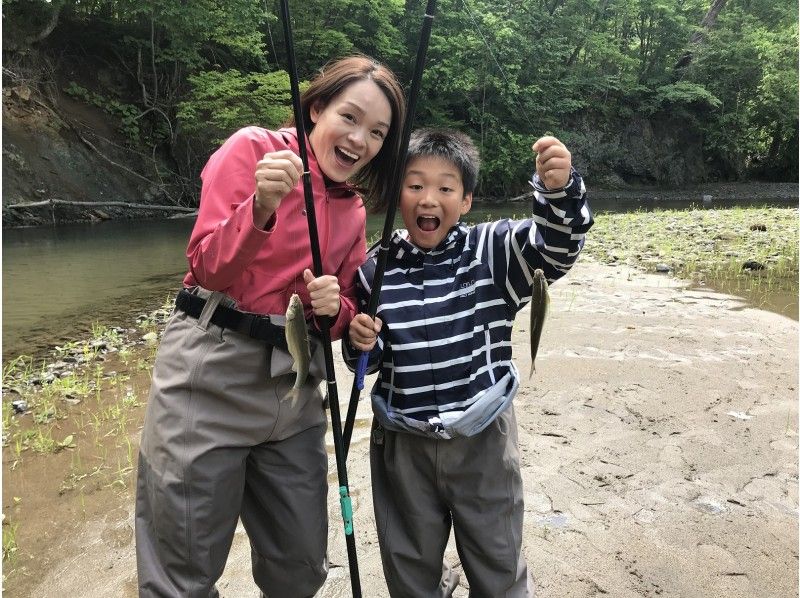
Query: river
60, 281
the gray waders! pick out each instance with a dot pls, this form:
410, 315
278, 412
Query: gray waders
423, 487
218, 444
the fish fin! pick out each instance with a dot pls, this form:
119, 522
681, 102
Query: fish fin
292, 396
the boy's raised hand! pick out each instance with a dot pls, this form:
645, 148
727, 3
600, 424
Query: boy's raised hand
553, 162
364, 332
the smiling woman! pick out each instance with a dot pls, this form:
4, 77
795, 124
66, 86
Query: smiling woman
217, 421
337, 83
350, 131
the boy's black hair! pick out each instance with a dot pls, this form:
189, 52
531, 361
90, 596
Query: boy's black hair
448, 144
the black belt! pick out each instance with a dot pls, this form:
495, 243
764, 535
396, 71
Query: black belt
252, 325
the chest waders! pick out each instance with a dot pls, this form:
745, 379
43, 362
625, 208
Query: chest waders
393, 196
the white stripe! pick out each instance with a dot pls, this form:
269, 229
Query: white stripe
433, 366
544, 222
526, 268
366, 284
449, 296
438, 365
447, 385
448, 317
400, 347
509, 288
432, 283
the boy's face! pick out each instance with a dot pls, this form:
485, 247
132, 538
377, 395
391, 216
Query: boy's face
432, 200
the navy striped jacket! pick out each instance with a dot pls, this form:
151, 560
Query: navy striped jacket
444, 351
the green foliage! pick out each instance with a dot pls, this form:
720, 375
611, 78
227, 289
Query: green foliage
684, 101
221, 102
128, 114
503, 71
750, 64
170, 33
684, 93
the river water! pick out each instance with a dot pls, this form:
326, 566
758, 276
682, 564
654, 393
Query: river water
60, 281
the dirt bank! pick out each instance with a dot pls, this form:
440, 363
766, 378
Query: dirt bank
659, 453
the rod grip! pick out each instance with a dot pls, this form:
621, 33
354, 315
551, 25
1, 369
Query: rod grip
361, 369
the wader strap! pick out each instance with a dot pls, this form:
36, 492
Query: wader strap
212, 302
210, 310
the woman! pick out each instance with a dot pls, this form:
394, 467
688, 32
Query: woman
219, 440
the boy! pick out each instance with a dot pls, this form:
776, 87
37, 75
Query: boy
444, 442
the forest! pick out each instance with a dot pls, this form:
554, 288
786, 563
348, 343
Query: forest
644, 92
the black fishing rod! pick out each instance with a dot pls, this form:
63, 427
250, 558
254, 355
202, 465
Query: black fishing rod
393, 195
324, 322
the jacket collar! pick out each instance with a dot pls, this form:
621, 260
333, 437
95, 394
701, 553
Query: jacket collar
404, 250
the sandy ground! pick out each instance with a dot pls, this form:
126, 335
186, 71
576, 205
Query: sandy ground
659, 454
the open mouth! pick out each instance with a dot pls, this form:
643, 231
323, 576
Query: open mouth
345, 156
428, 223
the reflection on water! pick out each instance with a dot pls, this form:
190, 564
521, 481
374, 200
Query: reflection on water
58, 281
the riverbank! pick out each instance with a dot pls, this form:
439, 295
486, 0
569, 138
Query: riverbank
665, 463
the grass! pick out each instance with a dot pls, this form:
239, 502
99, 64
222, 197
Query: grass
9, 541
75, 374
705, 246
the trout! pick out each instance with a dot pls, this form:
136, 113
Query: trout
540, 301
297, 342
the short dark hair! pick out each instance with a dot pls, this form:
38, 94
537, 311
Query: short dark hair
333, 78
448, 144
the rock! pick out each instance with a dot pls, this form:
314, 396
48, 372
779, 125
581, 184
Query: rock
150, 337
710, 505
19, 406
662, 268
753, 265
23, 92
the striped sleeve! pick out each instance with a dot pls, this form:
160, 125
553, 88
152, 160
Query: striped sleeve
551, 239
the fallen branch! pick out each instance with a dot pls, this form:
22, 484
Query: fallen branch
97, 204
109, 160
527, 195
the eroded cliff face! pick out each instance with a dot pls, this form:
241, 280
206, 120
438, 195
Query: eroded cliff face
59, 148
635, 151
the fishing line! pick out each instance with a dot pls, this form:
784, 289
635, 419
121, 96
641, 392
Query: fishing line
500, 68
519, 106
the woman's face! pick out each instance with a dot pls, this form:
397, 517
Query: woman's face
349, 131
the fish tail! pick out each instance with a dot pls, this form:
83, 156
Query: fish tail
293, 395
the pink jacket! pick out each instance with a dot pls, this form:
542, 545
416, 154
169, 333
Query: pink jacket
260, 269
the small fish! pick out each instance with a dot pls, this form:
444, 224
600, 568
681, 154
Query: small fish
297, 342
540, 301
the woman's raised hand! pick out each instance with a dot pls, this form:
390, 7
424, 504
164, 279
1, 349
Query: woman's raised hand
276, 174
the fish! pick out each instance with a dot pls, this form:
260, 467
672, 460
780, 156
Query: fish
540, 301
297, 343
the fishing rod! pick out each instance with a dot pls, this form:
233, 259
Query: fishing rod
393, 194
324, 322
